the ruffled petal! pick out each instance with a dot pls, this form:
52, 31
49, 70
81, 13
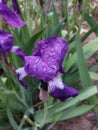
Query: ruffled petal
6, 41
60, 91
63, 94
54, 48
35, 66
18, 51
46, 60
10, 16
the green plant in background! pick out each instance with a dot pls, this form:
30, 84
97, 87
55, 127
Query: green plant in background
20, 107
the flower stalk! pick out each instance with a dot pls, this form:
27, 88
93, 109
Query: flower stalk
30, 121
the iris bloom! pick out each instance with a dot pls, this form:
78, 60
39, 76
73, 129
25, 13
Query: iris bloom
46, 64
10, 16
14, 4
6, 44
6, 41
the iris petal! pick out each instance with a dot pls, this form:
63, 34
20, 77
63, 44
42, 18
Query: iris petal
15, 6
54, 47
60, 91
46, 60
6, 41
18, 51
10, 16
63, 94
35, 66
21, 74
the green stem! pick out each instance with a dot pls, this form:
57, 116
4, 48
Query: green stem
30, 121
45, 114
37, 104
45, 110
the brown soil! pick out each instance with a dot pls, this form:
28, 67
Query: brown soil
83, 122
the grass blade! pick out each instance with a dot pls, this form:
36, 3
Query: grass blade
91, 22
83, 70
11, 118
59, 106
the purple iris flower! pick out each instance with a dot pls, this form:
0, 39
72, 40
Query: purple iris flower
10, 16
6, 41
46, 60
6, 44
46, 64
14, 4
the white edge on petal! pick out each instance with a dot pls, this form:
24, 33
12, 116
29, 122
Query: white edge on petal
14, 49
56, 82
21, 73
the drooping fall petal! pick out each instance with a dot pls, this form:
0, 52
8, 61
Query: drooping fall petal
59, 90
36, 67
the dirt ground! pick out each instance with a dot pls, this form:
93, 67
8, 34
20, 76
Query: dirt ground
83, 122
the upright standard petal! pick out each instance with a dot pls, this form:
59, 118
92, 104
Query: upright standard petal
10, 16
15, 6
54, 47
60, 91
35, 66
6, 41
